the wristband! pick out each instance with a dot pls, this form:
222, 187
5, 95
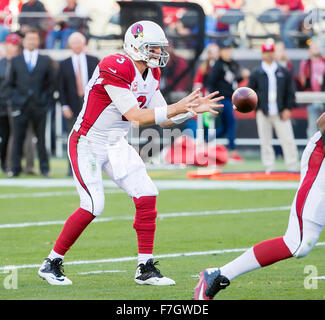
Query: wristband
160, 115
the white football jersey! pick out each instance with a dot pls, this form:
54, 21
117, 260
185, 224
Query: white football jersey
100, 117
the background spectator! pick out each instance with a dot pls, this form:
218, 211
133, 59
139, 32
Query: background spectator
204, 69
311, 75
64, 27
12, 48
31, 90
220, 7
5, 19
245, 74
172, 19
274, 87
224, 77
174, 69
201, 78
74, 74
292, 18
282, 59
40, 23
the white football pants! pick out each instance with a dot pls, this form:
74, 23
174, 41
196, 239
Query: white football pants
117, 159
307, 216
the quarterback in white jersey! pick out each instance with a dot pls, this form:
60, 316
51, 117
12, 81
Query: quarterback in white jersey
123, 91
306, 222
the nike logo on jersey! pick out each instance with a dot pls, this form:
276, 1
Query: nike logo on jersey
113, 70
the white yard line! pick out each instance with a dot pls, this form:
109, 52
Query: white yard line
101, 271
123, 259
161, 184
160, 216
49, 194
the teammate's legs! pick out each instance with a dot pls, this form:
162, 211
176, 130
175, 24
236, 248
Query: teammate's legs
306, 221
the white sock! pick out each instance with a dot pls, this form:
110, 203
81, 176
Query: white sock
54, 255
144, 257
242, 264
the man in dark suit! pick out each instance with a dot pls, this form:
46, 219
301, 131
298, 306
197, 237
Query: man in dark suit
74, 74
12, 49
31, 86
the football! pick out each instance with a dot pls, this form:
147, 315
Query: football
244, 100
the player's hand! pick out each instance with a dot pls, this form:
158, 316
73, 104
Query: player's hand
209, 103
188, 103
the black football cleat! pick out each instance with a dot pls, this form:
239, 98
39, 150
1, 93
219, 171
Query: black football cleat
149, 274
210, 283
52, 272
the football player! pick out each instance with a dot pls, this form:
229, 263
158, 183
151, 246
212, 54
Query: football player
123, 90
306, 222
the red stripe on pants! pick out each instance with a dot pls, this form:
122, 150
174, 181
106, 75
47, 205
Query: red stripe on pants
314, 164
73, 144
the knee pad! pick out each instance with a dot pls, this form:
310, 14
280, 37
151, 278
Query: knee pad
146, 213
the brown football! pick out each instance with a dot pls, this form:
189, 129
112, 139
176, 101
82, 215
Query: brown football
244, 100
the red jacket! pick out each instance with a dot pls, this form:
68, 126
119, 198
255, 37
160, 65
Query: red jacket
293, 4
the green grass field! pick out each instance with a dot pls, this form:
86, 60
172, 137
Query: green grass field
95, 263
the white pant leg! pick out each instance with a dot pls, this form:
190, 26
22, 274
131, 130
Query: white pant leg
264, 129
307, 217
128, 171
87, 162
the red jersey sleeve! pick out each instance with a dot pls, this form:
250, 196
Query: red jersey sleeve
116, 70
156, 73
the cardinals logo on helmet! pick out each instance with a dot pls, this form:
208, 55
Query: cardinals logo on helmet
137, 30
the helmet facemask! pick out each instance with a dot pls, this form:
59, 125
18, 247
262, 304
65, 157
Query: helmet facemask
153, 59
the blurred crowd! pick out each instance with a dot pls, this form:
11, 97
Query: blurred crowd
29, 78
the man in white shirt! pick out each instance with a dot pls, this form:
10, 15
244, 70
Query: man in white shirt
274, 87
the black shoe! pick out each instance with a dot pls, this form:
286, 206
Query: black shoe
210, 283
45, 174
52, 272
149, 274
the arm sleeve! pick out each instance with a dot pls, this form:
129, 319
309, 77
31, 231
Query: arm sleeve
122, 98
